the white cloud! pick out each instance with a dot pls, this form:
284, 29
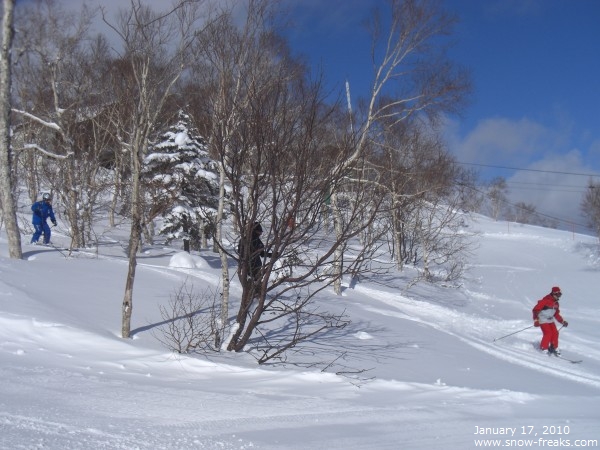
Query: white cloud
504, 141
539, 151
554, 185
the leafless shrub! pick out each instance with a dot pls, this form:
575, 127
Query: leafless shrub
191, 321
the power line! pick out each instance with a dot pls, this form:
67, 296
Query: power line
530, 170
547, 184
545, 189
523, 186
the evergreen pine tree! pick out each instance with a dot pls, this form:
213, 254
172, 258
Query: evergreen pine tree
182, 181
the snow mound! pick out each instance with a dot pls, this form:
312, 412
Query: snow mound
363, 335
186, 261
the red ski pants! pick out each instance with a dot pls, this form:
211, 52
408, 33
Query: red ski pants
550, 335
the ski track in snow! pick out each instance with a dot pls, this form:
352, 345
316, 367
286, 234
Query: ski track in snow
458, 324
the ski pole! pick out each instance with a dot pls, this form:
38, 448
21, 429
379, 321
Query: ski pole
526, 328
59, 251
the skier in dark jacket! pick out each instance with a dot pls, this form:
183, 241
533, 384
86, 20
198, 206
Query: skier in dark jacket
256, 252
545, 312
42, 210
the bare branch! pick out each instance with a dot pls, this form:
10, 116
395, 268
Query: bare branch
51, 125
46, 152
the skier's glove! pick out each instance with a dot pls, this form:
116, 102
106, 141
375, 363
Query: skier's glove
536, 323
565, 323
54, 222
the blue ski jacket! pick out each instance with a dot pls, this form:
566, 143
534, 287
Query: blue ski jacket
41, 211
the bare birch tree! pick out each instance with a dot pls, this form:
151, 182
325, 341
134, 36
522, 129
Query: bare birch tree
7, 199
155, 55
412, 78
497, 195
223, 54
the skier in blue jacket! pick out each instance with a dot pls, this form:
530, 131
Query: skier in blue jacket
41, 211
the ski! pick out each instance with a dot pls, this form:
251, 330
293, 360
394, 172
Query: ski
50, 245
572, 361
552, 353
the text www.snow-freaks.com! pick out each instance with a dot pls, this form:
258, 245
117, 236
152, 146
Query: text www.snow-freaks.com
541, 442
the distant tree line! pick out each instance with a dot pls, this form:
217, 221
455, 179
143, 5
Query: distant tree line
496, 204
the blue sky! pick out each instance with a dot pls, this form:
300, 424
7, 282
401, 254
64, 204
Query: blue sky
535, 66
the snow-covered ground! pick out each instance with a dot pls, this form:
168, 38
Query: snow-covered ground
424, 366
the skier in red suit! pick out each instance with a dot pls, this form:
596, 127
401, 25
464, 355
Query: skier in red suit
545, 312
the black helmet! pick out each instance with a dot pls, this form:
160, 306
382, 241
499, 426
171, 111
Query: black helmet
257, 228
46, 196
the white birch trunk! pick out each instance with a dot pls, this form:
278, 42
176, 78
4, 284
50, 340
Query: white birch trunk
339, 251
6, 186
219, 238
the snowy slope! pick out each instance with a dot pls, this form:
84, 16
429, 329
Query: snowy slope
423, 368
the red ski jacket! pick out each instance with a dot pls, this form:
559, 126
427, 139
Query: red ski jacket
546, 310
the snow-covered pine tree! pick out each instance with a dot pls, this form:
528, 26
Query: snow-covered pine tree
181, 183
